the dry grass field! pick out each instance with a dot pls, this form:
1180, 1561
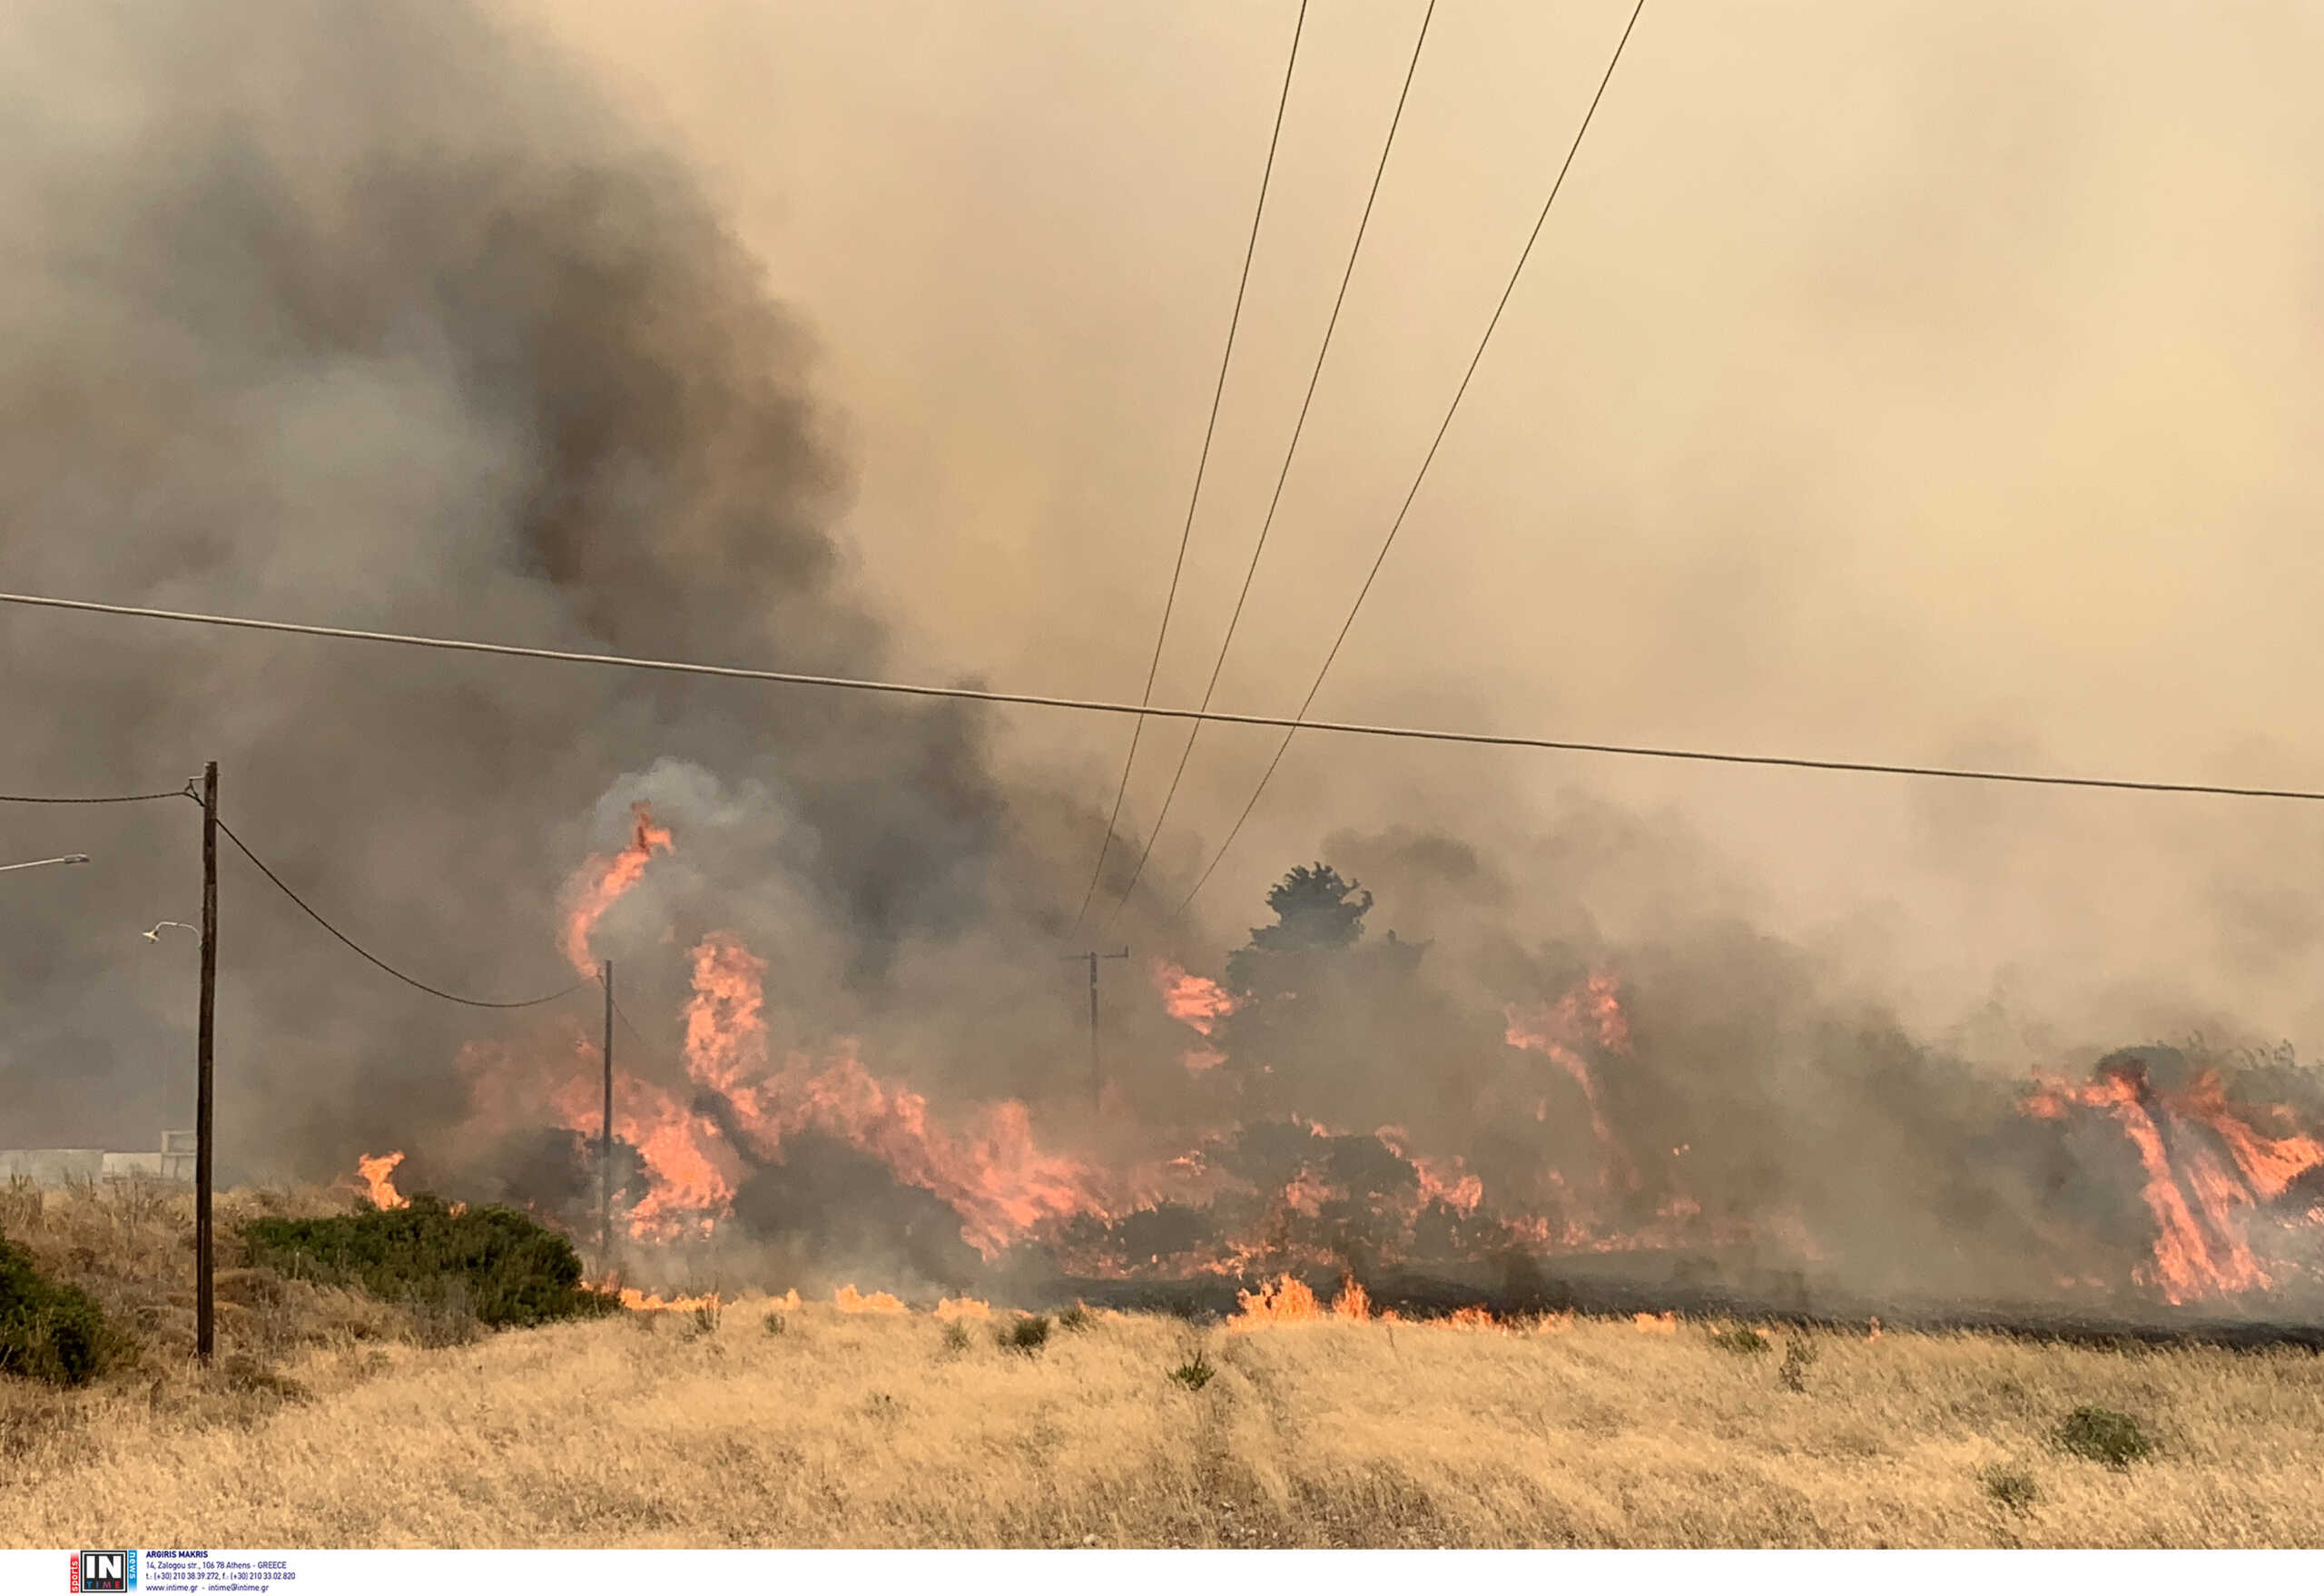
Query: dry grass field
333, 1420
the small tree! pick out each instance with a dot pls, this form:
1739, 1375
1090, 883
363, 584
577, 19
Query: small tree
1316, 909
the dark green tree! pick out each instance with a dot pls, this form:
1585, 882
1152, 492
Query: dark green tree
1316, 909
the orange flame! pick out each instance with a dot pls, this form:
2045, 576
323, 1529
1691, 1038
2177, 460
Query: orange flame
1475, 1316
852, 1301
1353, 1302
1656, 1323
1595, 1007
2197, 1200
1287, 1301
648, 1303
962, 1307
599, 884
375, 1172
1194, 1000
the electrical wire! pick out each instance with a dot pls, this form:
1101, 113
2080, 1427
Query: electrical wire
1290, 452
1226, 717
1429, 460
374, 959
1202, 466
185, 792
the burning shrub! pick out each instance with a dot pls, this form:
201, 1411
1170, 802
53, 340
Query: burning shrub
507, 1268
48, 1331
1028, 1335
2103, 1435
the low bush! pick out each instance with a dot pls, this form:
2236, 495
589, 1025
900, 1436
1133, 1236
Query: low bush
1195, 1372
956, 1338
2103, 1435
49, 1331
1077, 1319
774, 1324
1028, 1335
1742, 1339
502, 1267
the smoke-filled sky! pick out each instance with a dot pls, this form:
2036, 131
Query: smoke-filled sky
1909, 382
1915, 382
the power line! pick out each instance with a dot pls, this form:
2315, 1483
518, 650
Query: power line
1289, 453
1226, 717
184, 791
1202, 465
381, 963
1427, 460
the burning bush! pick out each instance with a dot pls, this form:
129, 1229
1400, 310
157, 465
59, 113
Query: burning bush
48, 1331
510, 1269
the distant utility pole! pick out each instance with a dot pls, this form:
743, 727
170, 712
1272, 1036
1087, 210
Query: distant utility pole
605, 1137
205, 1306
1097, 1075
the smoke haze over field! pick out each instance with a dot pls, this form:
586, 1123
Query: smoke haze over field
1920, 382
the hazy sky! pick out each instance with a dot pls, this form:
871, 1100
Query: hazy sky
1906, 381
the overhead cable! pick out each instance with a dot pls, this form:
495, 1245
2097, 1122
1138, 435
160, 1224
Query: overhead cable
1202, 466
1290, 451
381, 963
1429, 460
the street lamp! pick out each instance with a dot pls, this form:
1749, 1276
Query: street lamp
155, 934
37, 863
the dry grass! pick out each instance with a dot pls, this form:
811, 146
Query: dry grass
865, 1429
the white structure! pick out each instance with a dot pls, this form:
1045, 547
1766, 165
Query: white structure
86, 1166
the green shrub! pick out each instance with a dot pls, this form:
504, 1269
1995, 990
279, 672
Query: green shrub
504, 1267
1742, 1339
1028, 1335
49, 1331
2103, 1435
2013, 1488
1195, 1372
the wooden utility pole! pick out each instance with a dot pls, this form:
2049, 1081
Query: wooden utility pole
605, 1137
205, 1306
1097, 1075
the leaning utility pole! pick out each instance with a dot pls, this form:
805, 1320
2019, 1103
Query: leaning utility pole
206, 1322
605, 1137
1097, 1075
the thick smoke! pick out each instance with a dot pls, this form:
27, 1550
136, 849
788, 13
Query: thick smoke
403, 325
339, 316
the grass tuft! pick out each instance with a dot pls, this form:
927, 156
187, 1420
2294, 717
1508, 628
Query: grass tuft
1799, 1355
2012, 1488
1195, 1372
1742, 1338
